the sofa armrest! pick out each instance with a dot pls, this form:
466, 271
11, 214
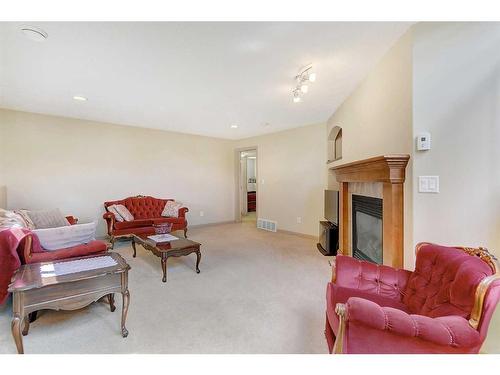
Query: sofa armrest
28, 247
353, 273
92, 248
72, 220
452, 330
182, 211
110, 221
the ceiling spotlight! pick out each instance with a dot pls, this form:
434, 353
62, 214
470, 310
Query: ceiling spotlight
234, 126
80, 98
34, 33
304, 88
312, 77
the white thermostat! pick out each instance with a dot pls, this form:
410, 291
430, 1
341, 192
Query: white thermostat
424, 141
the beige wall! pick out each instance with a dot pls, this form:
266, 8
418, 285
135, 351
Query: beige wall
291, 163
457, 99
376, 119
3, 196
3, 188
76, 165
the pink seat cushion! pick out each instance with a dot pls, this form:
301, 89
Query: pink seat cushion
444, 282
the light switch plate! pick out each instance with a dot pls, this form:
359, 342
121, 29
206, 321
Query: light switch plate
428, 184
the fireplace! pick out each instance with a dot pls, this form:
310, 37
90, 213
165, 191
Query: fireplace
389, 172
367, 228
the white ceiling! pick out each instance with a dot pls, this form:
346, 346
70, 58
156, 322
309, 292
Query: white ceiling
190, 77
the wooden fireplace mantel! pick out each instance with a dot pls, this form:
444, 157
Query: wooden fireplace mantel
390, 171
387, 168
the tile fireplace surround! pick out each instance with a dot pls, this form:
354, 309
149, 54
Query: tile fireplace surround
380, 177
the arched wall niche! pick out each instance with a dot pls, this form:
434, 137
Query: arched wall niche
335, 144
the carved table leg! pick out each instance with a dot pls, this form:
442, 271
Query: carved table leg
126, 301
26, 326
133, 247
164, 267
16, 333
198, 258
111, 300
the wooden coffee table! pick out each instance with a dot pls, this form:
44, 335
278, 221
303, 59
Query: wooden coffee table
176, 248
35, 288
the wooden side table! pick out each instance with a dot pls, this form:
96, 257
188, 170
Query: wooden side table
32, 291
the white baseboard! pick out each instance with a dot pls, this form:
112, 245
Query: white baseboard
211, 224
303, 235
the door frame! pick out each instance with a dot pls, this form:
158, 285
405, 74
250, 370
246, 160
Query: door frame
237, 177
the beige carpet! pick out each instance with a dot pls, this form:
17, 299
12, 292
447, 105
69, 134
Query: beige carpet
258, 292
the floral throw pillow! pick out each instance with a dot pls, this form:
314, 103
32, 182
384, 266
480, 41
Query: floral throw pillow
124, 212
112, 209
171, 209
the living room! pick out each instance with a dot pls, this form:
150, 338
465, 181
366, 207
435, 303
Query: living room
123, 220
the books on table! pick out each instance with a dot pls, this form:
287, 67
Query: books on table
158, 238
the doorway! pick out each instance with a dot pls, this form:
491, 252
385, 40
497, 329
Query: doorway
247, 185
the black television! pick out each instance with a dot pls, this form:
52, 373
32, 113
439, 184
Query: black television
332, 206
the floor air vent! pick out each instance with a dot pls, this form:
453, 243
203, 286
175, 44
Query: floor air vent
267, 225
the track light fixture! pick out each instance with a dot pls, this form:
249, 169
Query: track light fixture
302, 80
297, 96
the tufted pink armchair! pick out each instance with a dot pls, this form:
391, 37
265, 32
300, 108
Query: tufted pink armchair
444, 306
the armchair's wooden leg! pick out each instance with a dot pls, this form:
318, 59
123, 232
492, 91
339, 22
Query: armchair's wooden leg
112, 241
185, 232
340, 309
198, 258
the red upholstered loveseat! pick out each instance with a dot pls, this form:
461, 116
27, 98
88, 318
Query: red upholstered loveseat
147, 212
444, 306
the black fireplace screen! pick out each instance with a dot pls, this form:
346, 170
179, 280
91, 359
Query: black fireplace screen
367, 228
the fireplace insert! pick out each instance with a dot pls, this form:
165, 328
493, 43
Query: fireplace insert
367, 228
